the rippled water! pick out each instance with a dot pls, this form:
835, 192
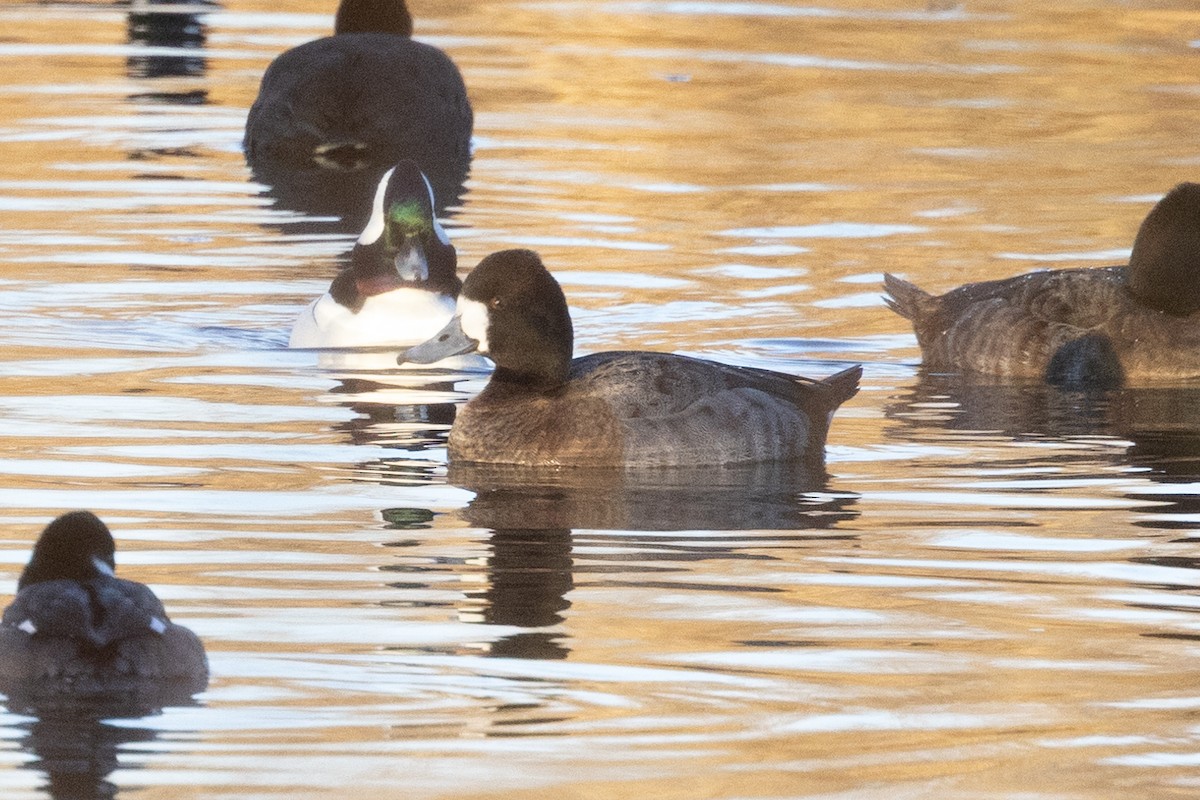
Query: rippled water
993, 595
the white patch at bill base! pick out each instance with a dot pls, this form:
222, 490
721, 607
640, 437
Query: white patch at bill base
473, 318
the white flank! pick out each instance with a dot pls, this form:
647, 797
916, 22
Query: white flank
401, 317
158, 626
473, 316
28, 627
374, 228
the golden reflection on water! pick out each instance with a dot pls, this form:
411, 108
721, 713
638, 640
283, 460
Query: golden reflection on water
992, 595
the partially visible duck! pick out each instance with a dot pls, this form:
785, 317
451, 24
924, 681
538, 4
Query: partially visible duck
1098, 327
340, 110
628, 409
75, 628
401, 284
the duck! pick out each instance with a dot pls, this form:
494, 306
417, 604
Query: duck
616, 409
401, 283
1085, 328
74, 628
334, 113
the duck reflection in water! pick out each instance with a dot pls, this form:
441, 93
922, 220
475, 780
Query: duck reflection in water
537, 517
1156, 429
169, 38
76, 744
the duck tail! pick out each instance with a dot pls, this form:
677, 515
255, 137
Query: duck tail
841, 386
906, 299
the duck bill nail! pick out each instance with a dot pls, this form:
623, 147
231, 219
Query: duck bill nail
411, 264
450, 341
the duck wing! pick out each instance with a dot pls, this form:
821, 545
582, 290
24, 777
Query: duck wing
679, 411
1011, 327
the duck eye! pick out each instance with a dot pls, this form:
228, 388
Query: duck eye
494, 302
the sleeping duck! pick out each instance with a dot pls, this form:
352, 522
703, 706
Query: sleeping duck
1092, 327
74, 628
629, 409
401, 284
332, 114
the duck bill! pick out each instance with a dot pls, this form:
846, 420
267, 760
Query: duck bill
410, 261
450, 341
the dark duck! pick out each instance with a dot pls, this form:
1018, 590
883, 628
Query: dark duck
1100, 327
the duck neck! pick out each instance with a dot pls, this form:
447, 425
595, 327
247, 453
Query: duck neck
373, 16
508, 380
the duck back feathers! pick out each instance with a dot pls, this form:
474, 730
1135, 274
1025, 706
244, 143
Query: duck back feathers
74, 628
333, 114
1097, 327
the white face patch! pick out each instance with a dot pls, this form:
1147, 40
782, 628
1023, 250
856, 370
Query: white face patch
158, 626
102, 566
473, 317
28, 627
374, 228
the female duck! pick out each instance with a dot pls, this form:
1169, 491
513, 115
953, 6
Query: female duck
357, 102
76, 628
616, 409
401, 283
1097, 327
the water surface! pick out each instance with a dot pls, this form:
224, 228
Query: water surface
993, 593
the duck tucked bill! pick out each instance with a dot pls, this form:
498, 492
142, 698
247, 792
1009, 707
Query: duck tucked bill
75, 628
613, 409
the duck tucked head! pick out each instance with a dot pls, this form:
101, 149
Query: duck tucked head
513, 310
402, 244
76, 546
1164, 268
373, 16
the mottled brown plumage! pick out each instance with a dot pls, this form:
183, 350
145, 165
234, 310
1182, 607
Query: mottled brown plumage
1104, 326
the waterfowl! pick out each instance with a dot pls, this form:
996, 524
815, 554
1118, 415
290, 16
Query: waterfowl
629, 409
1091, 327
332, 114
401, 283
75, 628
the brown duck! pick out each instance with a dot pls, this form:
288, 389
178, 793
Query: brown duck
629, 409
1097, 327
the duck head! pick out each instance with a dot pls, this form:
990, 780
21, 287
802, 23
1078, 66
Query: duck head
1164, 268
512, 310
76, 546
373, 16
402, 244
